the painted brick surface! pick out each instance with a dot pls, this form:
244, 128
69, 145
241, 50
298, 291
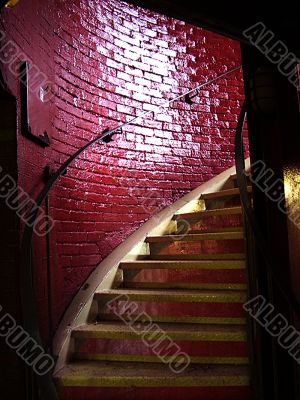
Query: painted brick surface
109, 62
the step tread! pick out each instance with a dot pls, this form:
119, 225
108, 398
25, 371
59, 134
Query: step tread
220, 296
196, 236
118, 330
223, 193
203, 256
113, 357
233, 176
177, 319
218, 230
208, 213
93, 373
183, 264
183, 285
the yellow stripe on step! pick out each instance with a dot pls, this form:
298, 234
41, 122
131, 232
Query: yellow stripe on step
224, 193
183, 264
153, 359
203, 296
188, 319
203, 256
146, 381
128, 374
209, 213
196, 237
120, 331
174, 285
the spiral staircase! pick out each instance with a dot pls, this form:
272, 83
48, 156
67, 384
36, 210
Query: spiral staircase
167, 318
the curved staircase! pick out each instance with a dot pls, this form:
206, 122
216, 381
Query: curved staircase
172, 325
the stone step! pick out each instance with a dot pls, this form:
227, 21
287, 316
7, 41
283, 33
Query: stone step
209, 244
202, 256
204, 296
209, 274
196, 237
184, 285
118, 330
183, 264
188, 319
215, 230
223, 193
208, 213
146, 342
190, 306
106, 374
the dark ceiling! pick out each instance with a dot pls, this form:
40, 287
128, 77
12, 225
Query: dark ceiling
231, 19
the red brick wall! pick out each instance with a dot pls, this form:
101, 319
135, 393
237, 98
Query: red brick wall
110, 61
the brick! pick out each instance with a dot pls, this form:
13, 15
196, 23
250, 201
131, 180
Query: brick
153, 77
148, 32
164, 71
133, 71
142, 81
141, 97
161, 57
164, 117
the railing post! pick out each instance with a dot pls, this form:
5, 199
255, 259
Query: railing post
49, 277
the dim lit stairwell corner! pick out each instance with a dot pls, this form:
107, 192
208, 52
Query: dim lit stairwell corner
185, 270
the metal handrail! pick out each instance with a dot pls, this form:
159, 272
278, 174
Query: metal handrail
250, 217
255, 241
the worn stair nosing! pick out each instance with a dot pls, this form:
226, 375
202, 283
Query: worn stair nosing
203, 256
208, 296
119, 331
214, 230
224, 193
183, 264
196, 237
152, 359
94, 374
176, 319
208, 213
178, 285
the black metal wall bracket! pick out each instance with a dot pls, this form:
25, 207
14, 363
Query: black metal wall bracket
43, 139
49, 171
189, 96
108, 138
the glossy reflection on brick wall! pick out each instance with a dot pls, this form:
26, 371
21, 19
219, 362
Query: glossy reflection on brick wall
110, 61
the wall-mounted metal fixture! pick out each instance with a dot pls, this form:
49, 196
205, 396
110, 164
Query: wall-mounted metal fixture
109, 138
189, 96
49, 171
43, 139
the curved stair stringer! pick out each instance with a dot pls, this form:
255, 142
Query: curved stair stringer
103, 277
